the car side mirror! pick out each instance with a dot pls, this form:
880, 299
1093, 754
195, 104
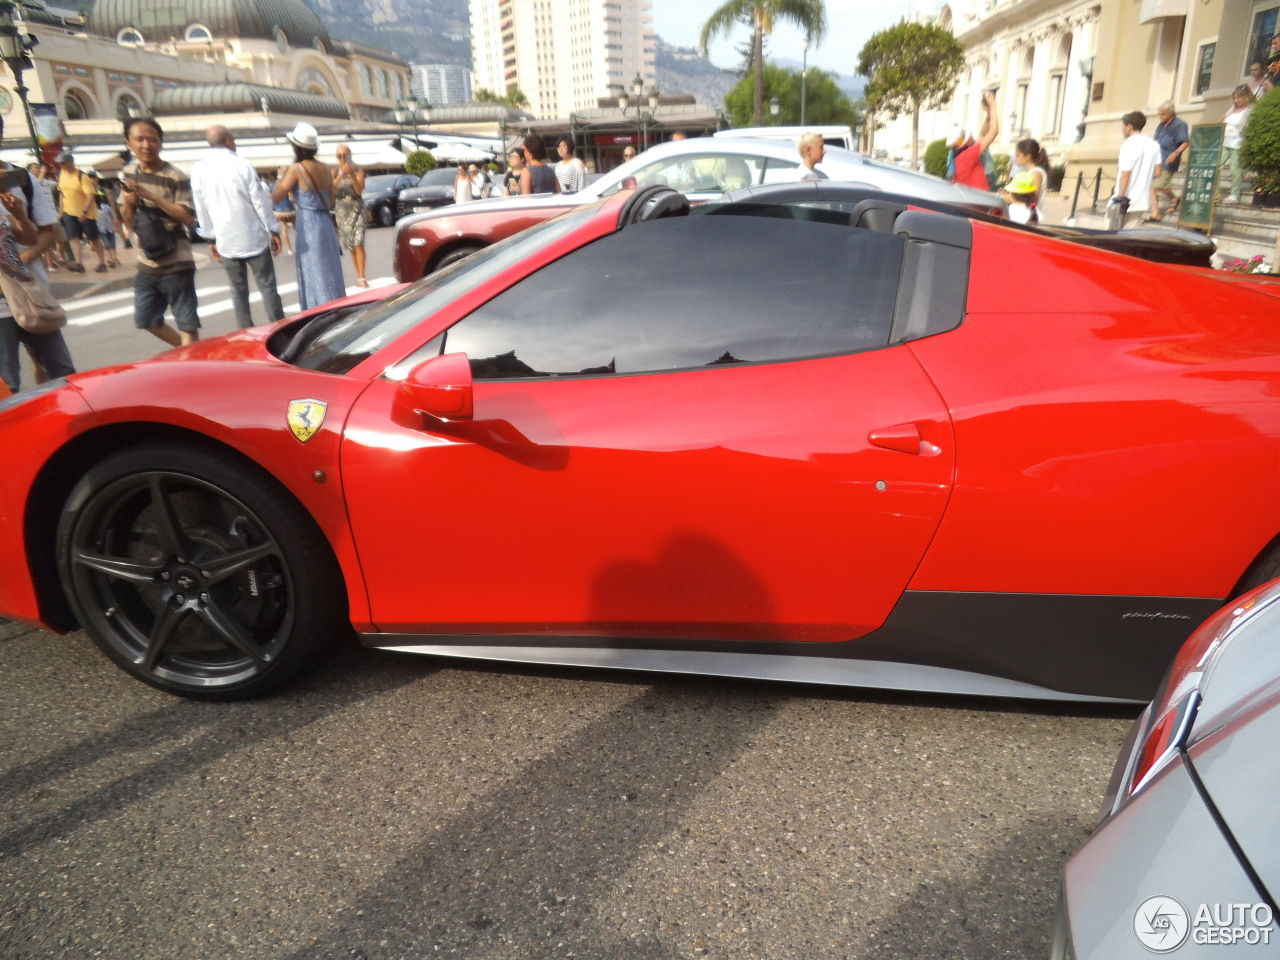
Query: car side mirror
440, 387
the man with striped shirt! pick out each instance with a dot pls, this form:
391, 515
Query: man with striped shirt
165, 280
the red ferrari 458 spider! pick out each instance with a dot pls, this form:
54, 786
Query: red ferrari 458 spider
870, 445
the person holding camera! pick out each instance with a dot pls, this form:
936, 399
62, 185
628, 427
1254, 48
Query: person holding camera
157, 205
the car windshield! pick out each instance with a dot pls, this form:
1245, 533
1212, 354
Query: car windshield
384, 181
338, 346
438, 176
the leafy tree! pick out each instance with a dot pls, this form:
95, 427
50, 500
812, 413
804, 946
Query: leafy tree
825, 103
419, 162
908, 67
512, 98
809, 15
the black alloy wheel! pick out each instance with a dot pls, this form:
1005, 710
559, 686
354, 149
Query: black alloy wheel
197, 572
385, 215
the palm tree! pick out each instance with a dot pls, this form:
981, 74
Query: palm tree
810, 15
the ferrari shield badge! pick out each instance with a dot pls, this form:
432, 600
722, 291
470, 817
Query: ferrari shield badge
305, 417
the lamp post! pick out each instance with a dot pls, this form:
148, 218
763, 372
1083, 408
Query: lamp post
642, 119
804, 79
15, 51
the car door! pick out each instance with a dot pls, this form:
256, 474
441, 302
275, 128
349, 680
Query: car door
689, 428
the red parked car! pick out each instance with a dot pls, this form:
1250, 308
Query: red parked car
916, 452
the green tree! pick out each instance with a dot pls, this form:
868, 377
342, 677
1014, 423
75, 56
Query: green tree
825, 103
512, 98
908, 67
809, 15
419, 162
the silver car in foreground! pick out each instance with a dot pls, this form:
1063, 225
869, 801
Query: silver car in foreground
1186, 856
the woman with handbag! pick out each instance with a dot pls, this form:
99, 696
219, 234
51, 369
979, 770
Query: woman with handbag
29, 316
319, 263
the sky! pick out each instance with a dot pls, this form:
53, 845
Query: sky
850, 23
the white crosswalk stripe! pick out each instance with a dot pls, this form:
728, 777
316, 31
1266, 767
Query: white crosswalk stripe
213, 300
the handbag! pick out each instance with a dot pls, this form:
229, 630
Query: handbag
153, 236
32, 304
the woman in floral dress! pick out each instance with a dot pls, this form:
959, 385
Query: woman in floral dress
348, 184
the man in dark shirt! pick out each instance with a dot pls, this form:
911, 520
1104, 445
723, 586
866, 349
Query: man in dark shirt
968, 151
1171, 134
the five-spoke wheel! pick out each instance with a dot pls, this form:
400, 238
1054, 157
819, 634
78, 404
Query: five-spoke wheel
196, 572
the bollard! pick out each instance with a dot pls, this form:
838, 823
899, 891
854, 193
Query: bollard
1097, 186
1075, 200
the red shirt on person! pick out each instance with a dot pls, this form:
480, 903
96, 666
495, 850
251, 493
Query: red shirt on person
969, 170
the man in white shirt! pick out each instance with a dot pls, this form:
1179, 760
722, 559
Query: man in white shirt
234, 213
26, 200
1140, 164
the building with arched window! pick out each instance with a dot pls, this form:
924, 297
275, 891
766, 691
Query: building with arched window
191, 62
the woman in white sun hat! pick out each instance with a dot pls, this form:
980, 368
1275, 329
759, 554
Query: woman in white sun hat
319, 262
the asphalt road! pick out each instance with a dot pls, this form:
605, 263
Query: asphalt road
399, 807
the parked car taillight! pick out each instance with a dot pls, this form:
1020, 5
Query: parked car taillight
1173, 712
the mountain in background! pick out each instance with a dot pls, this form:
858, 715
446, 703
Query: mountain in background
425, 31
682, 70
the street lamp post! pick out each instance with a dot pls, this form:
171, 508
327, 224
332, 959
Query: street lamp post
15, 51
804, 79
643, 119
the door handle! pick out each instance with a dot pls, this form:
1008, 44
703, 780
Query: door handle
903, 438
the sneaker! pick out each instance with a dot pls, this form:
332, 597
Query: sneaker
1234, 198
76, 267
100, 268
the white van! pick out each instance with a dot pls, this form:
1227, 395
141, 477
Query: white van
832, 135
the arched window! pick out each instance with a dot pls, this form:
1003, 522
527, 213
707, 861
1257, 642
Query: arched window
130, 36
366, 80
382, 84
73, 106
282, 40
197, 31
127, 105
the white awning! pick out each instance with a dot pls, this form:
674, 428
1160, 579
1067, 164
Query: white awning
1155, 9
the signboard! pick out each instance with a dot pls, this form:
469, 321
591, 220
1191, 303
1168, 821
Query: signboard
1201, 189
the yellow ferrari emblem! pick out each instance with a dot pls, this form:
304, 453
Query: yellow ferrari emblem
305, 417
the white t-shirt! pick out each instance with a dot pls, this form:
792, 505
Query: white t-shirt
1234, 123
1139, 156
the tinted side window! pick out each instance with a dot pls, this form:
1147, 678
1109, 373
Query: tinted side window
687, 293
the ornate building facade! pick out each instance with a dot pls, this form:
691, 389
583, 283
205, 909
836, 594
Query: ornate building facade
245, 62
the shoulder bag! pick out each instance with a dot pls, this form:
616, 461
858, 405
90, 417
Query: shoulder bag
32, 304
153, 236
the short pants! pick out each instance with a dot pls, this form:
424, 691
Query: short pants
154, 293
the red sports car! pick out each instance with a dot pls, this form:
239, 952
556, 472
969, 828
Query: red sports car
759, 440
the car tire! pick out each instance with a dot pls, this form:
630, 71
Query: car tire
454, 255
385, 216
197, 572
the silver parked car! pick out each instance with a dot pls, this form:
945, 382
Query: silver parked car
1186, 855
707, 167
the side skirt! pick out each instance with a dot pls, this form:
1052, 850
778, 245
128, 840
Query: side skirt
1032, 646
